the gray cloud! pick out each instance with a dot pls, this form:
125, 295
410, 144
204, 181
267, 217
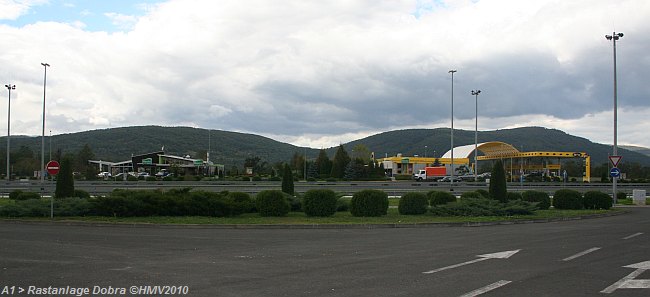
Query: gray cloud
322, 73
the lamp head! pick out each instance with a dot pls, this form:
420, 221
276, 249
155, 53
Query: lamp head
45, 64
453, 71
620, 34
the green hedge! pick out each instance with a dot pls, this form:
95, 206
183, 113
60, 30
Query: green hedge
413, 203
484, 207
21, 195
541, 198
440, 197
596, 200
320, 202
272, 203
41, 208
567, 199
178, 202
369, 203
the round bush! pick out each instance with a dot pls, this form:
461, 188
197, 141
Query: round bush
319, 203
541, 198
513, 196
621, 196
271, 203
413, 203
440, 197
596, 200
242, 202
473, 195
567, 199
369, 203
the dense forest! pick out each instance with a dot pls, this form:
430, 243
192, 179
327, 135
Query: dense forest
239, 150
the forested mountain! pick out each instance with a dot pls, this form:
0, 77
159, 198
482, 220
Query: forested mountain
232, 148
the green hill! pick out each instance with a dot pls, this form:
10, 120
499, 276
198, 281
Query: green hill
413, 141
231, 148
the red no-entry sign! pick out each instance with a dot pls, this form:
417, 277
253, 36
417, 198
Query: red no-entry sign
52, 167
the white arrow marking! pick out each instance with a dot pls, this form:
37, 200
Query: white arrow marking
633, 235
499, 255
581, 254
629, 282
487, 288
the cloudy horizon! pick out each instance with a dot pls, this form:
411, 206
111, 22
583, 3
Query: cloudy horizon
326, 72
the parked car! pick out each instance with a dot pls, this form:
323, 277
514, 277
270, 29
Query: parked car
143, 174
163, 173
104, 174
448, 179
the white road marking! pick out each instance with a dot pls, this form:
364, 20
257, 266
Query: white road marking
499, 255
486, 289
581, 254
633, 235
628, 282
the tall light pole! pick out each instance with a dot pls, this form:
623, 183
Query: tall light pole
475, 93
9, 87
45, 65
615, 36
451, 181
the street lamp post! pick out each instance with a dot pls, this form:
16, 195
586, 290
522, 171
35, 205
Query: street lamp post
615, 36
9, 87
475, 93
45, 65
451, 181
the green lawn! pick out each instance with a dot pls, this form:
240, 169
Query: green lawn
299, 218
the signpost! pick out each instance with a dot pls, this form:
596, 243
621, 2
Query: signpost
52, 168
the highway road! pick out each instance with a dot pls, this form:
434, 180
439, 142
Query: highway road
591, 257
396, 188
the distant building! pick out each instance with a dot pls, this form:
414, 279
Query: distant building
154, 162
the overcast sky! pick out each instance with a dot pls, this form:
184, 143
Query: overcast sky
320, 73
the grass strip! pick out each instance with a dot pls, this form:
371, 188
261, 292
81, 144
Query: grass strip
340, 218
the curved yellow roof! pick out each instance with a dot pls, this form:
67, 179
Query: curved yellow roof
489, 149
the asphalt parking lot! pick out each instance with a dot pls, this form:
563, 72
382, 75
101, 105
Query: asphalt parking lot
569, 258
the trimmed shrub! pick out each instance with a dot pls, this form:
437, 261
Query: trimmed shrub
21, 195
596, 200
484, 207
287, 180
242, 202
73, 207
272, 203
413, 203
369, 203
621, 196
26, 208
320, 202
473, 195
440, 197
513, 196
498, 187
567, 199
541, 198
